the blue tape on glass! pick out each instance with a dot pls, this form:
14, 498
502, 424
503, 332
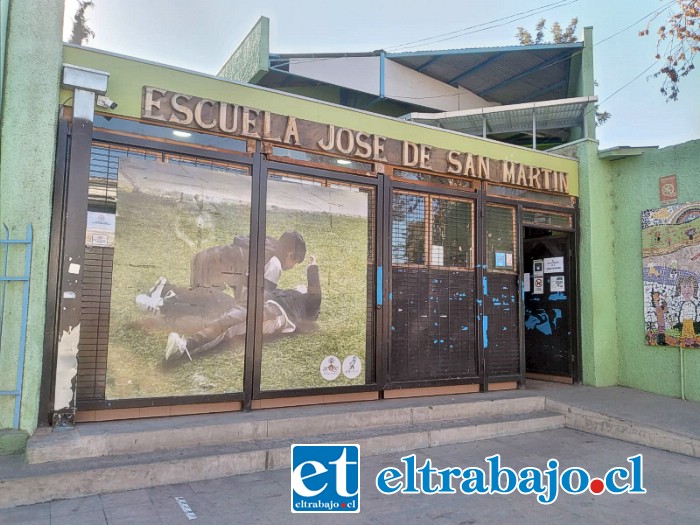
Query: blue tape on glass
485, 325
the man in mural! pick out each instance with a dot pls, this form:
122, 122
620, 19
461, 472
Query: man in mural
284, 312
219, 267
687, 289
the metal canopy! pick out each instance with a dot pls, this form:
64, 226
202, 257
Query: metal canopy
530, 117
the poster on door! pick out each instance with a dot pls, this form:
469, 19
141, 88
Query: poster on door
538, 286
671, 272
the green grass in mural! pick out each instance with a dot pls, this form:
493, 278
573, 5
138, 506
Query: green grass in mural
157, 236
667, 238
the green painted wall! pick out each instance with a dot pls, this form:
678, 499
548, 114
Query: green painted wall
251, 60
4, 11
635, 183
27, 142
597, 268
127, 77
582, 82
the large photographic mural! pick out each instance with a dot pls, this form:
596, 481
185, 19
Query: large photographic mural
671, 272
178, 295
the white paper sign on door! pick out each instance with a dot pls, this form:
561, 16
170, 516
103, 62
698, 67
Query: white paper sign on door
554, 265
556, 283
537, 270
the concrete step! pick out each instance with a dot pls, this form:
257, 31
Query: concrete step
91, 440
623, 429
22, 483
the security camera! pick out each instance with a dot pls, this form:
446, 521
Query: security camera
106, 102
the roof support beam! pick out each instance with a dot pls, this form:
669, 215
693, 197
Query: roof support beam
538, 67
428, 63
482, 50
532, 96
475, 68
382, 79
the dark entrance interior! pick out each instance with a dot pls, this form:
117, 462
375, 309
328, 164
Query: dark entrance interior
549, 304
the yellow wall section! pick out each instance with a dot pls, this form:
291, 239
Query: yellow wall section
128, 76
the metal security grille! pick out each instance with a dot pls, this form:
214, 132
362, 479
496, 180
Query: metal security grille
501, 316
433, 332
97, 275
501, 341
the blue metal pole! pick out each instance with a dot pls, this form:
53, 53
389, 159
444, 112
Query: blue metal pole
4, 275
382, 58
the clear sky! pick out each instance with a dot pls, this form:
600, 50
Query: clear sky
201, 34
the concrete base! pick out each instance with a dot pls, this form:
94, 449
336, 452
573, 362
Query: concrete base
108, 457
159, 435
13, 441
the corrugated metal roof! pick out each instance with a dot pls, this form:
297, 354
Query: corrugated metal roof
550, 115
506, 75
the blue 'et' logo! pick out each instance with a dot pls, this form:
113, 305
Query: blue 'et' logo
325, 478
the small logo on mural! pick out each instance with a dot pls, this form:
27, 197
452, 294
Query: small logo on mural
330, 368
352, 366
325, 478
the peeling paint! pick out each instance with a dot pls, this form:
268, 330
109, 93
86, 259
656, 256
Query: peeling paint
66, 368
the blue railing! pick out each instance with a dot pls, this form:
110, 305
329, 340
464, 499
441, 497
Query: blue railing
5, 246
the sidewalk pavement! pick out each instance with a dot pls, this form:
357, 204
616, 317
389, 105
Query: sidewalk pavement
671, 480
662, 412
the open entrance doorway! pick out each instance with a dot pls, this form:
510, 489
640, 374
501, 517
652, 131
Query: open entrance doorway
549, 304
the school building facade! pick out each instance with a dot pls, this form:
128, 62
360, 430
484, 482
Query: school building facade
448, 262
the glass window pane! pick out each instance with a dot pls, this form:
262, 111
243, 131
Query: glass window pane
548, 218
176, 254
452, 238
318, 158
189, 136
500, 238
434, 179
319, 289
408, 230
507, 191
